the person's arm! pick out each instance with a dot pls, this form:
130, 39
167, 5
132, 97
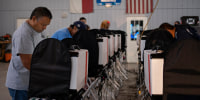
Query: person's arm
26, 60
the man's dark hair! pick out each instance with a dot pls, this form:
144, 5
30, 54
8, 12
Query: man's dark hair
82, 18
72, 26
177, 22
40, 12
166, 26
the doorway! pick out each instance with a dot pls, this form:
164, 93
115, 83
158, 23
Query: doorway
135, 27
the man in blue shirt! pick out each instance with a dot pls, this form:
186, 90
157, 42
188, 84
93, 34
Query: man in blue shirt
70, 31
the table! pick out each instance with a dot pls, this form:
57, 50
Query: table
3, 48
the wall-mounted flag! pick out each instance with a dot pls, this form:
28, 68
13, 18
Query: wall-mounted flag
139, 6
81, 6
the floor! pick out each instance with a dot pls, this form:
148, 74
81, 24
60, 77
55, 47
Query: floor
4, 94
127, 92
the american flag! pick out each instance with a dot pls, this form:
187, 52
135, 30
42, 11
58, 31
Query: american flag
139, 6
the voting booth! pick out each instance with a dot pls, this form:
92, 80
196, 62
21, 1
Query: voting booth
79, 71
153, 71
103, 50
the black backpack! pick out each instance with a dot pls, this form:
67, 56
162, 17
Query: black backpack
181, 77
186, 32
69, 43
159, 39
50, 71
86, 39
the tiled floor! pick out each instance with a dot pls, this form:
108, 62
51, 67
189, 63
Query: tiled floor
4, 95
127, 92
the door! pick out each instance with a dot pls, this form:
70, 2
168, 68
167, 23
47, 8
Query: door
135, 27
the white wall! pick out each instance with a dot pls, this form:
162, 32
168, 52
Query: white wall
167, 11
171, 10
10, 10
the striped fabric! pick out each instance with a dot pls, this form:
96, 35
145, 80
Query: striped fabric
139, 6
81, 6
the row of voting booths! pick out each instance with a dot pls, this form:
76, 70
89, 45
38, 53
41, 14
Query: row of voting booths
168, 69
91, 66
